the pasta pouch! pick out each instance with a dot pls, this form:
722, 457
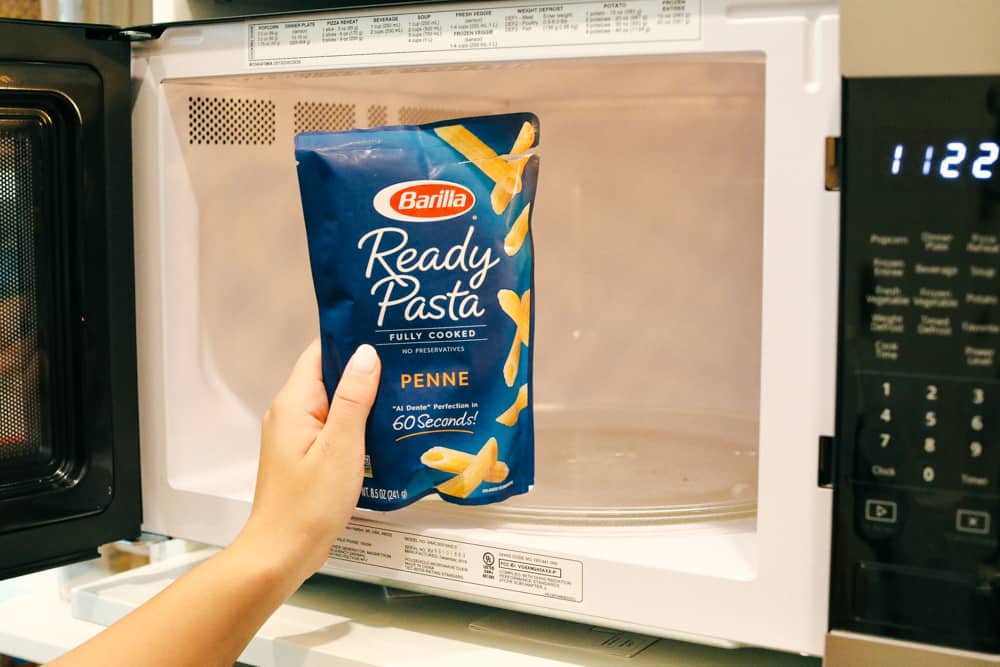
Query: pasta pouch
420, 244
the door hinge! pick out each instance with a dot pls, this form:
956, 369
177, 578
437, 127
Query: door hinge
118, 34
831, 172
827, 449
132, 35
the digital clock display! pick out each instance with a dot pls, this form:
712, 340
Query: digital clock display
960, 159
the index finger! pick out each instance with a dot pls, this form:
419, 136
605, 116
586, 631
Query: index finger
304, 386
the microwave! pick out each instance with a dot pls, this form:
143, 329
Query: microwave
767, 239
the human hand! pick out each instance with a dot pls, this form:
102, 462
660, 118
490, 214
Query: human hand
311, 462
308, 481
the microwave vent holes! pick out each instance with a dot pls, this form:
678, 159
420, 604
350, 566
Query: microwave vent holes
231, 120
378, 115
324, 116
420, 115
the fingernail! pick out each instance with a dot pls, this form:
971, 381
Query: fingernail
364, 360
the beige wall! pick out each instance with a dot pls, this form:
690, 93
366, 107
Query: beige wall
919, 37
113, 12
21, 9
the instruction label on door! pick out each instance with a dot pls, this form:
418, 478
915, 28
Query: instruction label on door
311, 41
437, 558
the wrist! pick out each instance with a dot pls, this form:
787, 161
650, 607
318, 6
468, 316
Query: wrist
269, 561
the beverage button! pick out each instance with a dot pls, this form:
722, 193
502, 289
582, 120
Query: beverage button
974, 522
881, 511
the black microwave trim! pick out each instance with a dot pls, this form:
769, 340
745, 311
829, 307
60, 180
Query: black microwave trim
903, 564
155, 30
146, 31
59, 98
68, 521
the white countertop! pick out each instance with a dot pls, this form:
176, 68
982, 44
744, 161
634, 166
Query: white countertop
35, 623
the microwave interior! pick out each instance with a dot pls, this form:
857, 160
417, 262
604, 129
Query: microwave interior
27, 454
648, 233
55, 444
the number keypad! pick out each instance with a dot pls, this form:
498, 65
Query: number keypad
928, 433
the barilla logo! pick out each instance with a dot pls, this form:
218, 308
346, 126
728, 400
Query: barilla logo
424, 201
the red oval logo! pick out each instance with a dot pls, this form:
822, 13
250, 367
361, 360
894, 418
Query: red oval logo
424, 201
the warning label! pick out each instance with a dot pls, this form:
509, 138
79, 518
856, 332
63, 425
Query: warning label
519, 571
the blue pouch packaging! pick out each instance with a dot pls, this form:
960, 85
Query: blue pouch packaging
420, 244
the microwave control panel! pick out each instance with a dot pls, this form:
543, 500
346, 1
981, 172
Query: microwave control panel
917, 486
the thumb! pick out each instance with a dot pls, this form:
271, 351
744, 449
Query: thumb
353, 398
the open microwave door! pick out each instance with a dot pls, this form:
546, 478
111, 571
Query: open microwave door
69, 459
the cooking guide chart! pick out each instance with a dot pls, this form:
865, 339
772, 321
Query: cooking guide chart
511, 26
